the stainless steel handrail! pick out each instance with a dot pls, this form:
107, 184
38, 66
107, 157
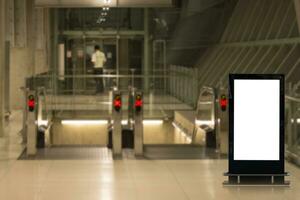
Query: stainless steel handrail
106, 76
206, 127
41, 91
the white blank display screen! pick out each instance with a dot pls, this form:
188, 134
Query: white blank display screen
256, 119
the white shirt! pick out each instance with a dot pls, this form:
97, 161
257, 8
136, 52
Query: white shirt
98, 58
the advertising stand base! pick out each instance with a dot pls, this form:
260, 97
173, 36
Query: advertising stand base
256, 179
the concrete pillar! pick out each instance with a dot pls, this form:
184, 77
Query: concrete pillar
2, 65
146, 50
10, 19
20, 21
7, 77
297, 9
21, 51
31, 34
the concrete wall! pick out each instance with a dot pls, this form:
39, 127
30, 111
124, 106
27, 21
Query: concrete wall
19, 69
252, 44
255, 41
29, 47
79, 135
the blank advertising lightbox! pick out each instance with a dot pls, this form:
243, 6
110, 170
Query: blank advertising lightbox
256, 113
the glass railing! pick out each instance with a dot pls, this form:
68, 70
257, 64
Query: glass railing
292, 128
72, 96
76, 97
79, 92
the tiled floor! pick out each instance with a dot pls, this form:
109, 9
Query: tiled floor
130, 179
10, 145
126, 179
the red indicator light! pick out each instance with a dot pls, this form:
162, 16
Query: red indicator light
117, 103
31, 103
138, 103
223, 103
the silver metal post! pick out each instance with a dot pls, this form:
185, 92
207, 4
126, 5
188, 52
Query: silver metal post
131, 106
31, 126
165, 63
138, 124
289, 126
294, 133
117, 126
39, 106
146, 50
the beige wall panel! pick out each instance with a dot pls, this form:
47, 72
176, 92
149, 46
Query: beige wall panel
79, 135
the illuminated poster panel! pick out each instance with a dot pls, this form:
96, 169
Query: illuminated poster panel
256, 119
256, 124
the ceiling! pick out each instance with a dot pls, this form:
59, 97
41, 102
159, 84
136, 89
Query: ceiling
102, 3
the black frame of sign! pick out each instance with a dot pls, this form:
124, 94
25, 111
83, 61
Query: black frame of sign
256, 166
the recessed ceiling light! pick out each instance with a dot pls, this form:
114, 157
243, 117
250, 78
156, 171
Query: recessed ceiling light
107, 1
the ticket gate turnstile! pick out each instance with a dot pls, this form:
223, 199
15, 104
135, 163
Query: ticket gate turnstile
133, 132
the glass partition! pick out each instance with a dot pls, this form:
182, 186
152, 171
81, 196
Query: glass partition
292, 126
